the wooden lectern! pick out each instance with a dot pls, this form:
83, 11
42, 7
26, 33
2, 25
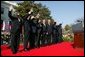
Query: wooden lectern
78, 31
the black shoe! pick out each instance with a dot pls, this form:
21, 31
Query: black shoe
14, 52
38, 47
31, 48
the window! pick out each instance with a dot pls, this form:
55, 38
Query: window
1, 21
2, 10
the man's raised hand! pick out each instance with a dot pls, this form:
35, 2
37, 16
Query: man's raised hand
10, 8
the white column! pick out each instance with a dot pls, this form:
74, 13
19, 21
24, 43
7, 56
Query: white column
3, 28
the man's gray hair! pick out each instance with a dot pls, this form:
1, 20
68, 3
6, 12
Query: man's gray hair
14, 13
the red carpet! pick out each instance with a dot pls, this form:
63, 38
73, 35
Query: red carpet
59, 49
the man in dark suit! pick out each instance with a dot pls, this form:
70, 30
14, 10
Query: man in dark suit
38, 30
41, 33
59, 28
33, 31
15, 30
44, 31
49, 32
54, 33
26, 22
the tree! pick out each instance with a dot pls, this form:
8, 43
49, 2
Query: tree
25, 6
67, 27
80, 20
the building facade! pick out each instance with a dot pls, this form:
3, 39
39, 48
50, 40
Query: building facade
4, 13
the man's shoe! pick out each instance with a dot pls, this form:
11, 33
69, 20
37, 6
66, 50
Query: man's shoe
15, 52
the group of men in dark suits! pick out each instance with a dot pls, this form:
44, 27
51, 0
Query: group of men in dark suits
36, 31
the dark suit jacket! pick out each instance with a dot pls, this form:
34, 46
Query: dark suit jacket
34, 26
44, 29
27, 23
54, 29
15, 23
49, 29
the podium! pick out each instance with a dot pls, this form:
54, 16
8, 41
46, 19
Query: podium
78, 31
